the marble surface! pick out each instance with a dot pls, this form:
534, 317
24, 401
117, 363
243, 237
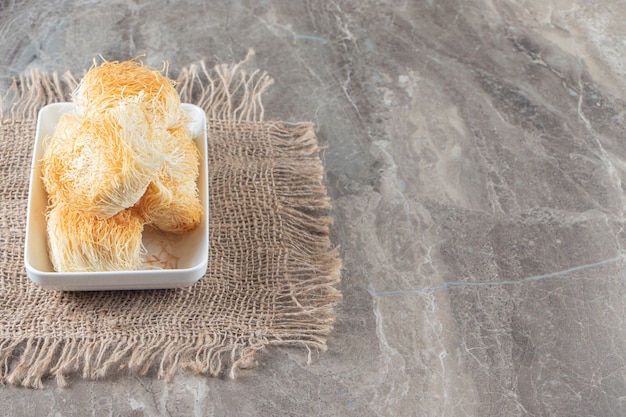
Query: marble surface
476, 160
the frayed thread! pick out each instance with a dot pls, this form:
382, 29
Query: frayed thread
28, 362
229, 93
29, 92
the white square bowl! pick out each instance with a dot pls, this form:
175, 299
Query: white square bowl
191, 250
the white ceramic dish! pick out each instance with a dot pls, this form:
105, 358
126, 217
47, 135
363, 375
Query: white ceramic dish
190, 250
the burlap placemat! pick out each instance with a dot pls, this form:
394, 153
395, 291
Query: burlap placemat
272, 274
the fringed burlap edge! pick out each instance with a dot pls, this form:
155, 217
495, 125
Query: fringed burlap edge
227, 93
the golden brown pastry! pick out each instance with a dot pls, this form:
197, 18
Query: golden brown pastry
171, 202
104, 86
123, 159
79, 242
102, 163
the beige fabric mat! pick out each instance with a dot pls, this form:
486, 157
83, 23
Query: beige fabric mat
272, 273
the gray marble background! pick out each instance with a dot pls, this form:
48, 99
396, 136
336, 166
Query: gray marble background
476, 160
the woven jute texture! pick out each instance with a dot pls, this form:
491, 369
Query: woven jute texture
272, 275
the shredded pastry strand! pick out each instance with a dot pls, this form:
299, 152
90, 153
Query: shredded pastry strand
107, 84
124, 159
80, 242
104, 162
171, 202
